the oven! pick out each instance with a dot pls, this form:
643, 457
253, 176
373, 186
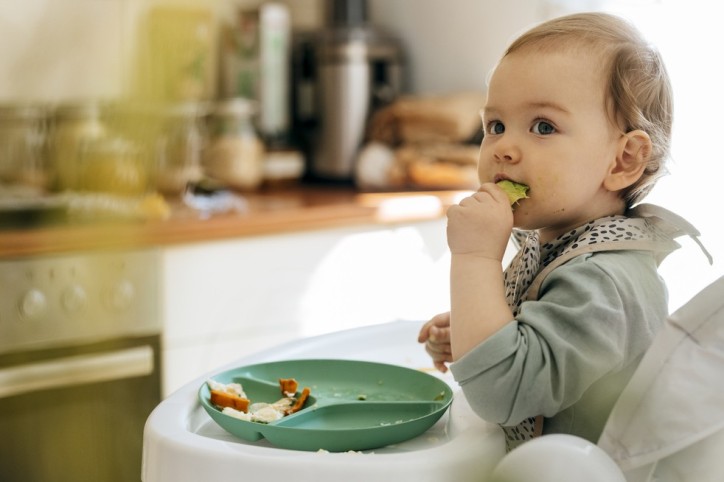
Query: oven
79, 365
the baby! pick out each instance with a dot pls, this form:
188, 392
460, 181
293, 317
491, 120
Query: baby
579, 109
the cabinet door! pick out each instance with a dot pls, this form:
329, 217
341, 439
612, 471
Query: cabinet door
225, 300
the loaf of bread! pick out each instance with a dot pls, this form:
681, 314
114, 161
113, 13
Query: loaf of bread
422, 166
451, 118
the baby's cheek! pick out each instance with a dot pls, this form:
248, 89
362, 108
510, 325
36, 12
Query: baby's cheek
483, 175
484, 165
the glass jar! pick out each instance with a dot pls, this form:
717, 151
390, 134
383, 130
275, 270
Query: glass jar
23, 154
180, 147
140, 122
75, 124
112, 165
236, 153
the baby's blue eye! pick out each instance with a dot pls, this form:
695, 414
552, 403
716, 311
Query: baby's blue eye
543, 128
496, 127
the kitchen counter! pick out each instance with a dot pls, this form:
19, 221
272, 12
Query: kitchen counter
302, 208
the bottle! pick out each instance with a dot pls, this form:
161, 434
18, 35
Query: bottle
75, 125
274, 72
239, 54
235, 155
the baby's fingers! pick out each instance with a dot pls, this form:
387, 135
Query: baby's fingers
440, 355
441, 320
439, 335
440, 366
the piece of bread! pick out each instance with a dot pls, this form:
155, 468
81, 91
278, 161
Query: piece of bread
288, 386
440, 166
438, 175
226, 399
299, 402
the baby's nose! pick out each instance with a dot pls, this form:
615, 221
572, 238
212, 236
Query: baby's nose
506, 150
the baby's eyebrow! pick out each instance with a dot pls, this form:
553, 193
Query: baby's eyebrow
488, 112
549, 105
492, 111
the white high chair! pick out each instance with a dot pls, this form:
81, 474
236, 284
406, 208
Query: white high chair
667, 425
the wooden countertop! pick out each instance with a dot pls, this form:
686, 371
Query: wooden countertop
299, 209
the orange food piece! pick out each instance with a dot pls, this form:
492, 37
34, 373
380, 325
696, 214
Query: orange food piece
288, 386
300, 401
224, 399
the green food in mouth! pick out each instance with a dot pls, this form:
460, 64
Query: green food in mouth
514, 190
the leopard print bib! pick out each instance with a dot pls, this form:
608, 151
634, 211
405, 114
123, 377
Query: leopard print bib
647, 227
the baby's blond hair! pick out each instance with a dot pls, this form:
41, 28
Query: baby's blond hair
638, 89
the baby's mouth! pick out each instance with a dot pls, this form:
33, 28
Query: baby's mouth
500, 177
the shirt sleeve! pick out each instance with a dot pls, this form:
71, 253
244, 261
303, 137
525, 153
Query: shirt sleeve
588, 322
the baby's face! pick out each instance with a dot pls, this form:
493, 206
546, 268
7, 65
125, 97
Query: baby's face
546, 126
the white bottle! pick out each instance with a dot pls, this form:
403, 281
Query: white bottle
274, 63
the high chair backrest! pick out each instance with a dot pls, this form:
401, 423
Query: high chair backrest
668, 423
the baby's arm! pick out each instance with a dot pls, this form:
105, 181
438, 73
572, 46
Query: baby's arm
435, 334
478, 232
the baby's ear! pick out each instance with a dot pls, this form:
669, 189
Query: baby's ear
634, 151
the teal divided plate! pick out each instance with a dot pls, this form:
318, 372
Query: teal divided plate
354, 405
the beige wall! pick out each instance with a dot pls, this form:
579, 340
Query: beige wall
57, 50
454, 48
54, 48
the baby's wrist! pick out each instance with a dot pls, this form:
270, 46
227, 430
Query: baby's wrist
481, 257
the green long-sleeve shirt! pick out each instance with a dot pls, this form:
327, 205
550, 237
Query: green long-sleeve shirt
569, 353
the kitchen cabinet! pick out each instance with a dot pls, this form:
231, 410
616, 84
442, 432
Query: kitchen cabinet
227, 299
297, 262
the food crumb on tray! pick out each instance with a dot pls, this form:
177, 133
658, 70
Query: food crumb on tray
231, 399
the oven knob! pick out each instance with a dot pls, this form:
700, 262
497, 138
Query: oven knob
32, 305
121, 295
74, 298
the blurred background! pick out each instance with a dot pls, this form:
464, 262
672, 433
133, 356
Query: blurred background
194, 118
75, 51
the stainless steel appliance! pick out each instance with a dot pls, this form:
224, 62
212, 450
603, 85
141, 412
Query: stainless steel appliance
354, 69
79, 365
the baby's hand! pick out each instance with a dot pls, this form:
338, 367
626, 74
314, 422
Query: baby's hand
481, 224
435, 334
